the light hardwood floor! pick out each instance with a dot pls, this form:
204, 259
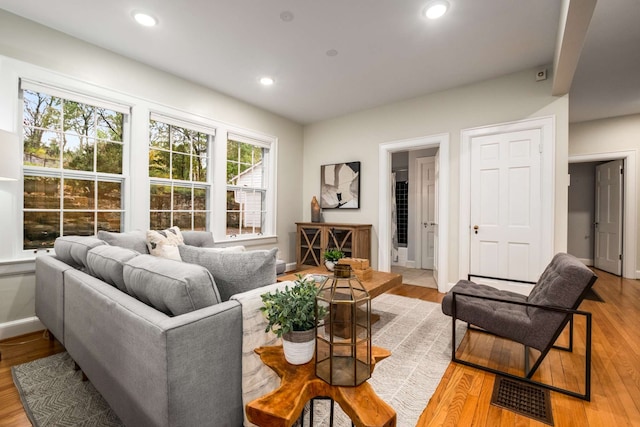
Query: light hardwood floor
464, 394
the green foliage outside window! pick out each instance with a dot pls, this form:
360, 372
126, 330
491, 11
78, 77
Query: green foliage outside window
66, 136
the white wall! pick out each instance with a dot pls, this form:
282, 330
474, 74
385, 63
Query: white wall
356, 137
580, 234
32, 43
609, 136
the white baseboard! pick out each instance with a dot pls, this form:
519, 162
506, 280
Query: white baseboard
637, 274
410, 264
20, 327
290, 266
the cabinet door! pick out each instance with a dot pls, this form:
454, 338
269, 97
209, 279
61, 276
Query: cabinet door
309, 245
342, 239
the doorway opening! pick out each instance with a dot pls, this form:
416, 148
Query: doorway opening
438, 144
583, 164
413, 215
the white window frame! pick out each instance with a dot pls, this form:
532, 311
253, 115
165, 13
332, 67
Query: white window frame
207, 184
61, 173
135, 157
220, 179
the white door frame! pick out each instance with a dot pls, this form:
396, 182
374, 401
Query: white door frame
546, 125
630, 214
384, 215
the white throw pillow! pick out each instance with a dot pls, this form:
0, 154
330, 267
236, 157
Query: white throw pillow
164, 243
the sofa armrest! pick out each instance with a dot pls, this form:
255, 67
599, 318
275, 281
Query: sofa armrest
151, 368
49, 297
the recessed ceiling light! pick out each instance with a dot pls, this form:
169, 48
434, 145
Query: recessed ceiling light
144, 19
332, 52
267, 81
286, 16
435, 9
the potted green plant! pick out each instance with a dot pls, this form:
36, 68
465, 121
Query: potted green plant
291, 315
331, 257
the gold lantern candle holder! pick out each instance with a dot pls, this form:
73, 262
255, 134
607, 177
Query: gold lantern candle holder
343, 336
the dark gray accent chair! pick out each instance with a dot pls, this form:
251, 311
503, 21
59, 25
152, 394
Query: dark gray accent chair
535, 321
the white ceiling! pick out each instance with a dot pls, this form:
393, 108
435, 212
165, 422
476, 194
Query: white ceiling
386, 50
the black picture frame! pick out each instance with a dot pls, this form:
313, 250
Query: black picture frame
340, 186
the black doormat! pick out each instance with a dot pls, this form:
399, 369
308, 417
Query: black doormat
593, 296
523, 398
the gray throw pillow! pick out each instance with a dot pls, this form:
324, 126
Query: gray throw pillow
107, 263
73, 250
234, 272
202, 239
172, 287
135, 240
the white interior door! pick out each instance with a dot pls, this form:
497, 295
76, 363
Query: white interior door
608, 226
427, 171
505, 208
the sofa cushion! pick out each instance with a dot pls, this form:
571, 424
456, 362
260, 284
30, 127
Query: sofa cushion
234, 272
164, 243
107, 263
172, 287
135, 240
202, 239
73, 250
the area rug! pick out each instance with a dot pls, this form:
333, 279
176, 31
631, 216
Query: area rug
53, 394
415, 331
419, 338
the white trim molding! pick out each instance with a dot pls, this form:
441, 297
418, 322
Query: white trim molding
19, 327
385, 150
630, 215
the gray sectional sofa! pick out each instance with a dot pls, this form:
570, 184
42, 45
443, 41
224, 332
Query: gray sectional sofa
153, 335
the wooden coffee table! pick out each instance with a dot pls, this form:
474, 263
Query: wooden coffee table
379, 283
299, 384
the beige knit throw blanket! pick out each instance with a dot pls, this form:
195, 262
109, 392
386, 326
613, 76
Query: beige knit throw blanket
257, 378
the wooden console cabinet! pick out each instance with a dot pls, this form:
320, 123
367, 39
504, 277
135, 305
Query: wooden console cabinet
313, 238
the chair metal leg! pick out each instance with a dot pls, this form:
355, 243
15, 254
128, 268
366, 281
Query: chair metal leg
529, 372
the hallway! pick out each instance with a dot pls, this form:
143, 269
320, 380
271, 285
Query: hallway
415, 276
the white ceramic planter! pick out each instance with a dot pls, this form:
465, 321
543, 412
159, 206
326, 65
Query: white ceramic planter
299, 346
330, 265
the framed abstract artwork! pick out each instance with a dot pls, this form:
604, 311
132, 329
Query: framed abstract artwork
340, 186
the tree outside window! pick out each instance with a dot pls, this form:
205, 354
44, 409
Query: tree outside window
73, 165
178, 168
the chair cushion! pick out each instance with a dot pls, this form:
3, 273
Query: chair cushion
504, 319
73, 250
135, 240
562, 283
172, 287
234, 272
107, 263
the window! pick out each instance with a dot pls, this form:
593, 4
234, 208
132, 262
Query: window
247, 171
178, 170
73, 165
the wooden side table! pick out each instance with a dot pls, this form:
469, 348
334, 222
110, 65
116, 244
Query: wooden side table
299, 384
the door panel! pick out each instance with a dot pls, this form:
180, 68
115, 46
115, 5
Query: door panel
427, 173
608, 227
505, 205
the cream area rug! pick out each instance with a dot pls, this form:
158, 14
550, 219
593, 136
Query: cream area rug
419, 338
